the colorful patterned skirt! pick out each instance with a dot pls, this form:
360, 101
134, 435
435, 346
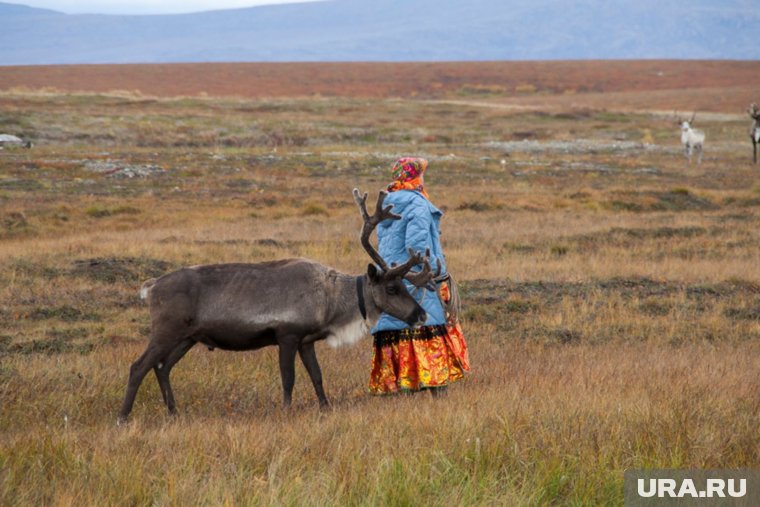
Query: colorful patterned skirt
418, 358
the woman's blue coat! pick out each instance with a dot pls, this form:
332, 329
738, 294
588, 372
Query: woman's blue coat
417, 229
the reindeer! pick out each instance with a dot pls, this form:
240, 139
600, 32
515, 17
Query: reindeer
754, 130
692, 139
290, 303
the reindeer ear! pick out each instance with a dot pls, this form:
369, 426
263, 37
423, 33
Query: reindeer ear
374, 274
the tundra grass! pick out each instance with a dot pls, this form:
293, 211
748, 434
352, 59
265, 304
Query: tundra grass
611, 299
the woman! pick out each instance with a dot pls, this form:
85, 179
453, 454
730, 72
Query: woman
435, 354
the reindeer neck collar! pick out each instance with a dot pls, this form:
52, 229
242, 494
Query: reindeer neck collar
360, 295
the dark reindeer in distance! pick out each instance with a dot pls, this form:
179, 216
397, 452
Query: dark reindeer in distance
754, 130
289, 303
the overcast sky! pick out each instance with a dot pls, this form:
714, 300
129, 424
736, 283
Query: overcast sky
144, 6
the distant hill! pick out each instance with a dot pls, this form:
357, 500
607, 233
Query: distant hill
391, 30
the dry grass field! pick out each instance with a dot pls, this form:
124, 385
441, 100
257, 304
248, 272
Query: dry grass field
611, 291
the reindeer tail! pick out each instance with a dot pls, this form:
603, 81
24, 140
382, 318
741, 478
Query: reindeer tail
146, 287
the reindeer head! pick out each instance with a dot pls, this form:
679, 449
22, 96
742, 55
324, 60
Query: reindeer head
385, 283
683, 122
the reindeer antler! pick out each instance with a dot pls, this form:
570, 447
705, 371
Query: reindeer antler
370, 222
402, 270
425, 276
422, 278
692, 118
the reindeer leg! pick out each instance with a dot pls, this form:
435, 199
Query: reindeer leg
132, 385
288, 350
150, 358
309, 358
163, 369
165, 337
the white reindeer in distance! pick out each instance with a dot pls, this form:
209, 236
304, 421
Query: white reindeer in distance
691, 139
754, 130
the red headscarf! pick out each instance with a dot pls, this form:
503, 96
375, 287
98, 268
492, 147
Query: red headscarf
407, 175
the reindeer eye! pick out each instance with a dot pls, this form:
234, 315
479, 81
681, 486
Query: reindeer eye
391, 290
